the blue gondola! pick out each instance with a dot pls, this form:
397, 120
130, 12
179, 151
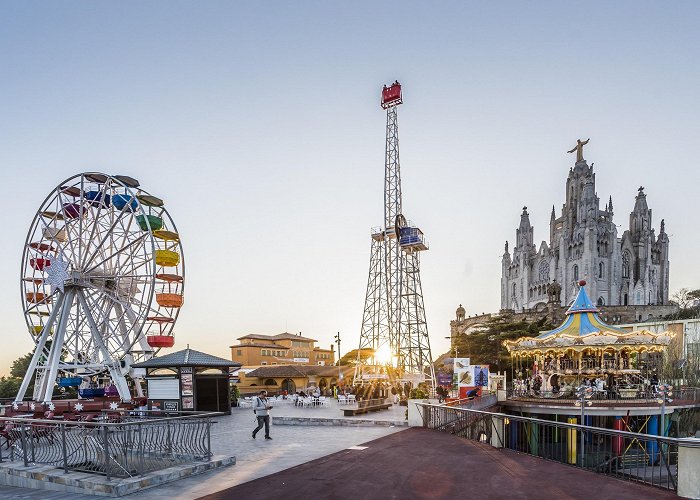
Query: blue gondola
97, 198
91, 393
70, 381
124, 202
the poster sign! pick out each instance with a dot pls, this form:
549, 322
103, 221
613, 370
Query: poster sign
170, 405
464, 372
188, 403
444, 379
186, 384
481, 375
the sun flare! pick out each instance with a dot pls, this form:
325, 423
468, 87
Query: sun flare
383, 355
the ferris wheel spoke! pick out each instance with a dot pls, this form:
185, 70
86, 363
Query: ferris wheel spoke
103, 240
115, 253
114, 329
96, 212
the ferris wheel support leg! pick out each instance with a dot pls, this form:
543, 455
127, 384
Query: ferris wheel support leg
45, 386
139, 388
39, 350
112, 365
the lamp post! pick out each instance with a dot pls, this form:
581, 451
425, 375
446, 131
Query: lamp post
336, 337
663, 393
584, 394
453, 347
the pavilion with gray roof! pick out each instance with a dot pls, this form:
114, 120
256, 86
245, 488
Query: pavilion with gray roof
188, 380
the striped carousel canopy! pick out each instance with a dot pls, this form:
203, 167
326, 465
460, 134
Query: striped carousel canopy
581, 319
583, 329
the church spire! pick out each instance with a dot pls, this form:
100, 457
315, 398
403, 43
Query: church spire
610, 207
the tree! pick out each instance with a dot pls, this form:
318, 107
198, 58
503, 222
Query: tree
350, 357
485, 346
9, 386
20, 366
688, 302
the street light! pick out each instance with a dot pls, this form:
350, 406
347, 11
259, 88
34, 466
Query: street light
584, 393
663, 393
336, 337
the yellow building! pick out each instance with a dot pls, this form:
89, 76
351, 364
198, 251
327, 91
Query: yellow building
284, 362
285, 348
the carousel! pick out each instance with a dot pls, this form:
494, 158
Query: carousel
586, 351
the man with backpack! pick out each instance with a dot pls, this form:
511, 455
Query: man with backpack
261, 408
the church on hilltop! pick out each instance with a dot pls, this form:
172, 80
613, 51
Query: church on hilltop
583, 244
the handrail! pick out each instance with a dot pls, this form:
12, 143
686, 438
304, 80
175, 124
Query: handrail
687, 442
137, 420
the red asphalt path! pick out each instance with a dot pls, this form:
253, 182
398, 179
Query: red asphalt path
424, 464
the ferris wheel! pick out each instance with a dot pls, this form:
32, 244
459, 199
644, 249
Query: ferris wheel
102, 283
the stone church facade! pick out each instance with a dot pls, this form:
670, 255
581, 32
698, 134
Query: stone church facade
627, 270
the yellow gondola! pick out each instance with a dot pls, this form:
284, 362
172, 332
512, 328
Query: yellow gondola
167, 258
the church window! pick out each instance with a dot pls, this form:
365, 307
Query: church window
601, 268
625, 300
513, 290
601, 301
544, 271
626, 265
575, 272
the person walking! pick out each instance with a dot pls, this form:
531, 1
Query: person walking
262, 411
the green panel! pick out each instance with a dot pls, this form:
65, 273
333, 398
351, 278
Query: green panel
155, 222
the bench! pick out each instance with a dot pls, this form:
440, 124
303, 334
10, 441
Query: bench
366, 406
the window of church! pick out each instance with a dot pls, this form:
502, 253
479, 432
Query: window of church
626, 265
575, 272
601, 268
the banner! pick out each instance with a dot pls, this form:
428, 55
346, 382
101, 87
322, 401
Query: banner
444, 379
481, 375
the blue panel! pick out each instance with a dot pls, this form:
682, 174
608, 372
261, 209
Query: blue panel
652, 446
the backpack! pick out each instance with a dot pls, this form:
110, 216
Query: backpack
257, 399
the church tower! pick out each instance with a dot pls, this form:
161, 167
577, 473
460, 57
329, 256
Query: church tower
583, 244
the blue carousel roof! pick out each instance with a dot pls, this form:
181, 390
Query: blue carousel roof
581, 318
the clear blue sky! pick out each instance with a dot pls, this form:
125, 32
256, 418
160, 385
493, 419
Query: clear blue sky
259, 125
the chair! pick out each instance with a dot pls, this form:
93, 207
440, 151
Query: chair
351, 399
342, 399
323, 401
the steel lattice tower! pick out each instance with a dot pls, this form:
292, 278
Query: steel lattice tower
394, 314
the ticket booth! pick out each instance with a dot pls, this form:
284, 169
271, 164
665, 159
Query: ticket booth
188, 380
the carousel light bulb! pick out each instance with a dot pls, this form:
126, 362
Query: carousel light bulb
577, 403
660, 401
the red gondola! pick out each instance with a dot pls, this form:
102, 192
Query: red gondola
160, 340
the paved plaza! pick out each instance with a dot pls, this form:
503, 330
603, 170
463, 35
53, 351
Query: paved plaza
424, 464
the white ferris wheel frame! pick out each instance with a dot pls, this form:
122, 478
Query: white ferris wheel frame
94, 317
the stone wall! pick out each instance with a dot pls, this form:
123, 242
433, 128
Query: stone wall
613, 315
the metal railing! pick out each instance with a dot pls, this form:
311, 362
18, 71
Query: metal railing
634, 395
642, 458
117, 444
